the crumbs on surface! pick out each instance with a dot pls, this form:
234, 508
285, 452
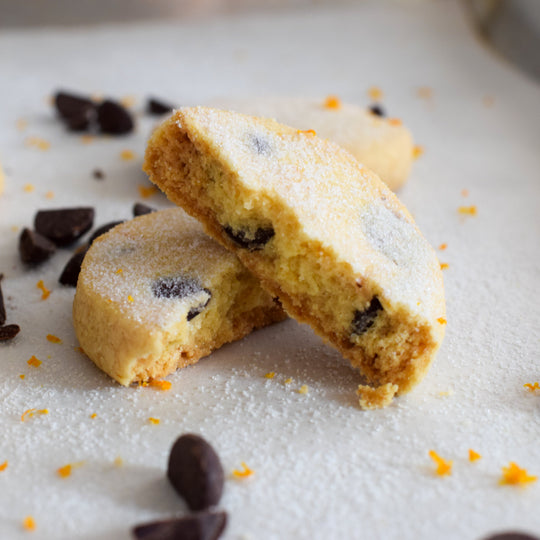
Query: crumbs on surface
118, 461
28, 188
3, 466
153, 420
332, 102
464, 192
147, 191
119, 271
128, 101
45, 292
488, 101
127, 155
161, 385
53, 339
376, 398
29, 523
445, 266
474, 456
33, 361
22, 376
516, 476
270, 375
245, 472
29, 413
417, 151
532, 387
444, 466
79, 349
468, 210
37, 142
375, 93
304, 389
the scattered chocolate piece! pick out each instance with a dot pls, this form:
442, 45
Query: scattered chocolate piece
363, 320
157, 107
9, 331
260, 144
377, 110
64, 226
2, 306
113, 118
102, 230
200, 526
195, 472
71, 271
511, 536
258, 241
140, 209
72, 106
98, 174
34, 248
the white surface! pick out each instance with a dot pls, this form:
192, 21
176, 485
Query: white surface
324, 469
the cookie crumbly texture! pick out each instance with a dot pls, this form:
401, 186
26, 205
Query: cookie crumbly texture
319, 230
378, 143
156, 294
376, 398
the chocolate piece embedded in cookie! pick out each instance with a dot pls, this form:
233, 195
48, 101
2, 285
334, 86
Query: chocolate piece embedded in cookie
64, 226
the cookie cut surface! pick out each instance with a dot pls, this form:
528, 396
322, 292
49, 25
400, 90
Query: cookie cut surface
155, 294
344, 255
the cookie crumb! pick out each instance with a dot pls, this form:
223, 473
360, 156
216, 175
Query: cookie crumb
130, 298
21, 124
87, 139
33, 361
444, 466
245, 472
376, 398
53, 339
270, 375
45, 292
29, 523
424, 92
332, 102
395, 121
127, 155
515, 475
304, 389
474, 456
288, 381
49, 195
118, 461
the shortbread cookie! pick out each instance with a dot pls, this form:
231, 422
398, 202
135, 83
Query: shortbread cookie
156, 294
320, 231
383, 145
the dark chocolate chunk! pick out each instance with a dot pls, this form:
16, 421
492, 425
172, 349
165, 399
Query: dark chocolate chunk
98, 174
195, 472
71, 271
156, 106
140, 209
113, 118
260, 144
247, 241
181, 287
511, 536
72, 106
377, 110
363, 320
199, 526
64, 226
34, 248
2, 306
102, 230
9, 331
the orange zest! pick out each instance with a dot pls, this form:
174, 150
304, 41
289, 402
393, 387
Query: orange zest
64, 471
161, 385
270, 375
29, 413
441, 320
532, 387
332, 102
444, 466
29, 188
3, 466
53, 339
375, 93
417, 151
307, 131
147, 191
153, 420
40, 285
468, 210
474, 456
395, 121
445, 266
29, 523
127, 155
443, 246
514, 475
304, 389
245, 472
37, 142
35, 362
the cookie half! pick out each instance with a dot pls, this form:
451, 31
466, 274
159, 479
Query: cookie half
384, 145
320, 231
156, 294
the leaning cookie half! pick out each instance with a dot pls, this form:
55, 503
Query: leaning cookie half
156, 294
321, 232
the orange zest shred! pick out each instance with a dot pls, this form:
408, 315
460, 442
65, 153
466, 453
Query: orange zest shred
37, 142
442, 320
41, 286
474, 456
444, 466
53, 339
29, 188
147, 191
64, 471
22, 376
445, 266
119, 271
245, 472
464, 192
93, 415
304, 389
417, 151
35, 362
532, 387
29, 413
468, 210
49, 195
514, 475
270, 375
332, 102
307, 131
375, 93
443, 246
161, 385
29, 523
288, 381
3, 466
130, 298
395, 121
127, 155
153, 420
79, 349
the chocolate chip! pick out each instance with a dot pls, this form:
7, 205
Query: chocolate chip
199, 526
260, 144
102, 230
72, 105
34, 248
65, 225
71, 271
9, 331
377, 110
140, 209
98, 174
156, 106
113, 118
181, 287
247, 241
195, 472
2, 306
511, 536
363, 320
